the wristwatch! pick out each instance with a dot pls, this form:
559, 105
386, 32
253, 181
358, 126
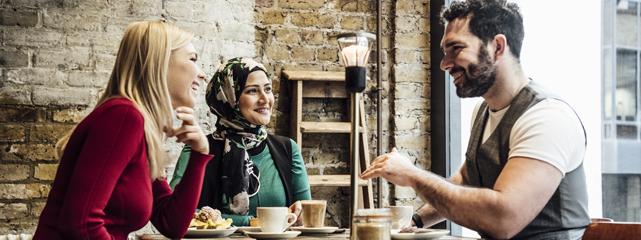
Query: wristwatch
418, 222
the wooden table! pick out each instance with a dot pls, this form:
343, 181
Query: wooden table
238, 236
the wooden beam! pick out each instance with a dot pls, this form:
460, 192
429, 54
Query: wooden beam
325, 127
297, 112
368, 192
324, 90
332, 181
314, 76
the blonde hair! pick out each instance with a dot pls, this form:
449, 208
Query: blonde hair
140, 75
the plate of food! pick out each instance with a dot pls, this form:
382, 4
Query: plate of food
418, 233
208, 222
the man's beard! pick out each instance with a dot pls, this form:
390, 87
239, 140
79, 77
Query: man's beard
478, 77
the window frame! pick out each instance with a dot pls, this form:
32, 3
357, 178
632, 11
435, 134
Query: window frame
445, 111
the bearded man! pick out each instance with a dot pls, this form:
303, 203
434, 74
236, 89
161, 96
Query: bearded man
523, 174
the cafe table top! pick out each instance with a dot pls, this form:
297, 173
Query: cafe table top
335, 236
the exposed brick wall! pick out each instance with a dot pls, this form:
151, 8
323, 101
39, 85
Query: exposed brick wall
296, 35
411, 88
56, 56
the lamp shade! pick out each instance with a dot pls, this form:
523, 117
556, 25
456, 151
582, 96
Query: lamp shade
355, 48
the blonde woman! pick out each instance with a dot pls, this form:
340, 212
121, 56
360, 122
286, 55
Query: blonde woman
111, 178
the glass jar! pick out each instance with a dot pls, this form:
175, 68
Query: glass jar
372, 224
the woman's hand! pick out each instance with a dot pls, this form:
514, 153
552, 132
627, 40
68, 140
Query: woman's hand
189, 132
297, 208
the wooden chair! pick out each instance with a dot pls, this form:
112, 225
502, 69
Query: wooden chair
603, 228
596, 220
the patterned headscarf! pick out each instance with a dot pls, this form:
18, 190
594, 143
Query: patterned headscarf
240, 178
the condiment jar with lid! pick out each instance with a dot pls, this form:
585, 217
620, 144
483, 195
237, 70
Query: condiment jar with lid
371, 224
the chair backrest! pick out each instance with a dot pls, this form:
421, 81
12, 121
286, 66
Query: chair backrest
612, 231
601, 220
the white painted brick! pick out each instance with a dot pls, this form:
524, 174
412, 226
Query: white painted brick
413, 142
33, 38
177, 10
237, 32
58, 96
146, 8
411, 90
50, 58
72, 58
87, 21
88, 79
418, 73
412, 106
35, 3
36, 76
407, 23
13, 58
106, 41
15, 95
104, 62
406, 123
26, 17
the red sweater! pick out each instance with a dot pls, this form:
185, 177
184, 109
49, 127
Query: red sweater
103, 188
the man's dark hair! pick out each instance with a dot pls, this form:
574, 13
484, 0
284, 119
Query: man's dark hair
489, 18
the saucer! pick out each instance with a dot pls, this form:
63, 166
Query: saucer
314, 230
212, 233
248, 229
272, 235
422, 234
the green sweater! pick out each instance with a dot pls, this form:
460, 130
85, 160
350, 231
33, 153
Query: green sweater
271, 192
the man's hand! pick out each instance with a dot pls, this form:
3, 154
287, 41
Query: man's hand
394, 167
189, 132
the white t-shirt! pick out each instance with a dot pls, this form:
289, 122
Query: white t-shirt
549, 131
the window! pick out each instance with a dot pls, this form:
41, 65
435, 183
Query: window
621, 155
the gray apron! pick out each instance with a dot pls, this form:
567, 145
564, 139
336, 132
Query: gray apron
565, 215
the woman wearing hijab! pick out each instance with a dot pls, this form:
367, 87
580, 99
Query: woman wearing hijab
251, 168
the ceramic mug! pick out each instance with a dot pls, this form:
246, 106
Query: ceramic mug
275, 219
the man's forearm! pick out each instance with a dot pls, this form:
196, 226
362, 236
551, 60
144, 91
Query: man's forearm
476, 208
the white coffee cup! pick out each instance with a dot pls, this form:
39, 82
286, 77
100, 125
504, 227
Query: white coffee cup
275, 219
401, 216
